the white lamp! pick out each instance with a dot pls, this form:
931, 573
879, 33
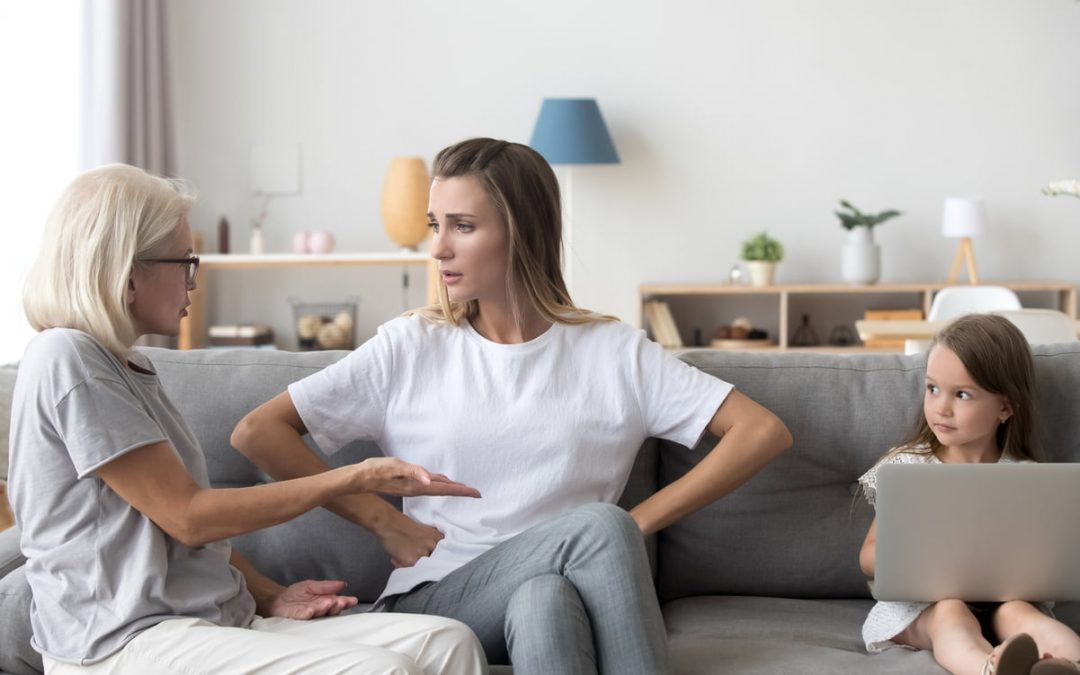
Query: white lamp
964, 218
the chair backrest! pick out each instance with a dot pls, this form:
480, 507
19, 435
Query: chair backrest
955, 301
1042, 326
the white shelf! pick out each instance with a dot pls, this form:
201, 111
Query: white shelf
268, 260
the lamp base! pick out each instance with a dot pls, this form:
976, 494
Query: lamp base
965, 254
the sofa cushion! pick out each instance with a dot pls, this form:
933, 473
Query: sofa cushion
795, 529
213, 389
747, 635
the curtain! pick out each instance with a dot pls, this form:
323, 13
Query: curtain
126, 99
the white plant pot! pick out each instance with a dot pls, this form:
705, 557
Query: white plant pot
761, 273
860, 263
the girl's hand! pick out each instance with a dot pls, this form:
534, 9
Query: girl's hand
310, 599
392, 476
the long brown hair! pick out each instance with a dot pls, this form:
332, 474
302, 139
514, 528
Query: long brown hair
997, 356
525, 191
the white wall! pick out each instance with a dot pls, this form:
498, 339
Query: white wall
730, 117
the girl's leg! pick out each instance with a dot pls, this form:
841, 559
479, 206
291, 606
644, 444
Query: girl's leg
598, 549
1052, 636
952, 633
548, 630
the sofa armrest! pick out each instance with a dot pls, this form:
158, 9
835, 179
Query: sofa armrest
11, 557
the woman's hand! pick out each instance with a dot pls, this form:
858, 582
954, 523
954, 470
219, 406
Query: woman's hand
310, 599
407, 540
391, 476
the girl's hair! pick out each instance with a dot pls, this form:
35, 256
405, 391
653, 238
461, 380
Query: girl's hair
525, 192
997, 356
105, 223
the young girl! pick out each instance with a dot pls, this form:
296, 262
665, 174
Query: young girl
539, 404
978, 407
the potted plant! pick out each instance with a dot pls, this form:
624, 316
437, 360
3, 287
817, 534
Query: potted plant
860, 263
761, 253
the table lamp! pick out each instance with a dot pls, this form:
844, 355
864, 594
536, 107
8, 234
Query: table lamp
571, 131
964, 218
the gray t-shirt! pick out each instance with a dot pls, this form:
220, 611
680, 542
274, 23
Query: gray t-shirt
100, 571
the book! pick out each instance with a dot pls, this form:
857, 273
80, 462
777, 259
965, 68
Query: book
893, 315
664, 330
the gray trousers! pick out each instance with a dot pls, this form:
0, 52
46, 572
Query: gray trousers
571, 596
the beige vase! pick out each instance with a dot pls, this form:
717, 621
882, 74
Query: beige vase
405, 201
761, 273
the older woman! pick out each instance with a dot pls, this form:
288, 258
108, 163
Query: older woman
127, 545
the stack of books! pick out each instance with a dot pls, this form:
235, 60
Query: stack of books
241, 335
890, 315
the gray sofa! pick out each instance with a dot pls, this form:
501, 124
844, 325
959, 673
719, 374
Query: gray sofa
765, 581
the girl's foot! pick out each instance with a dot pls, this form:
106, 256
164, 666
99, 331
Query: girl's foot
1015, 656
1056, 666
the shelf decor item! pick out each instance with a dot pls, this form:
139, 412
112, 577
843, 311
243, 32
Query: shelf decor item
1063, 187
860, 258
405, 202
325, 325
761, 253
571, 131
963, 218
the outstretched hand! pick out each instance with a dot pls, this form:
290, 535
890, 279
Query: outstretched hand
392, 476
311, 599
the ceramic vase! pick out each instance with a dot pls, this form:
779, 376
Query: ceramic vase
860, 263
404, 201
761, 273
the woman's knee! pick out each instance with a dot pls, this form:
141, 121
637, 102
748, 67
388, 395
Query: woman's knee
540, 595
609, 521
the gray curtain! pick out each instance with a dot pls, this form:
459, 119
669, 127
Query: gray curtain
126, 98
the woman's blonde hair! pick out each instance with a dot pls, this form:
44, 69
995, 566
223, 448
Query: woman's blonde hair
997, 356
525, 192
105, 223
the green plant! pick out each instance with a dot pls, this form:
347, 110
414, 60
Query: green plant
762, 248
856, 218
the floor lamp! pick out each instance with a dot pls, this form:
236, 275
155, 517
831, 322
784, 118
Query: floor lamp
571, 131
964, 218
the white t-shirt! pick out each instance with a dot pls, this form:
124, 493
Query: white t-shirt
539, 428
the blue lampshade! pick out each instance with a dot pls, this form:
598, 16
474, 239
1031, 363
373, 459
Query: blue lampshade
572, 131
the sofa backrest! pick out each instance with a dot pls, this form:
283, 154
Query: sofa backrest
796, 528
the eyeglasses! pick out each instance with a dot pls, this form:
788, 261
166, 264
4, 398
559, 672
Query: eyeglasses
191, 265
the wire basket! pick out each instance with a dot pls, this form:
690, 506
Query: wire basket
325, 325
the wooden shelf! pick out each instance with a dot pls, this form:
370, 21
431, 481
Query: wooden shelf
276, 260
778, 299
193, 328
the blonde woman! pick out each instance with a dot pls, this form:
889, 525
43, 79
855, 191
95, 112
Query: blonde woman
127, 546
542, 406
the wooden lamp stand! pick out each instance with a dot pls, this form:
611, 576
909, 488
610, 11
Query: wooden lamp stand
965, 254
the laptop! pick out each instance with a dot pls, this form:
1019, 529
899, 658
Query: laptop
978, 532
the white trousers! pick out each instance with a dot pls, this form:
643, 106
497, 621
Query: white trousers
375, 643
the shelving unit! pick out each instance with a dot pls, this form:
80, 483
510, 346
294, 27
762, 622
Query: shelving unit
193, 328
777, 308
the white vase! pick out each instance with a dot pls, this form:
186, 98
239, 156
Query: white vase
860, 263
761, 273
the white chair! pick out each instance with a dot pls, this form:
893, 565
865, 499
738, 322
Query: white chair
1041, 326
952, 302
